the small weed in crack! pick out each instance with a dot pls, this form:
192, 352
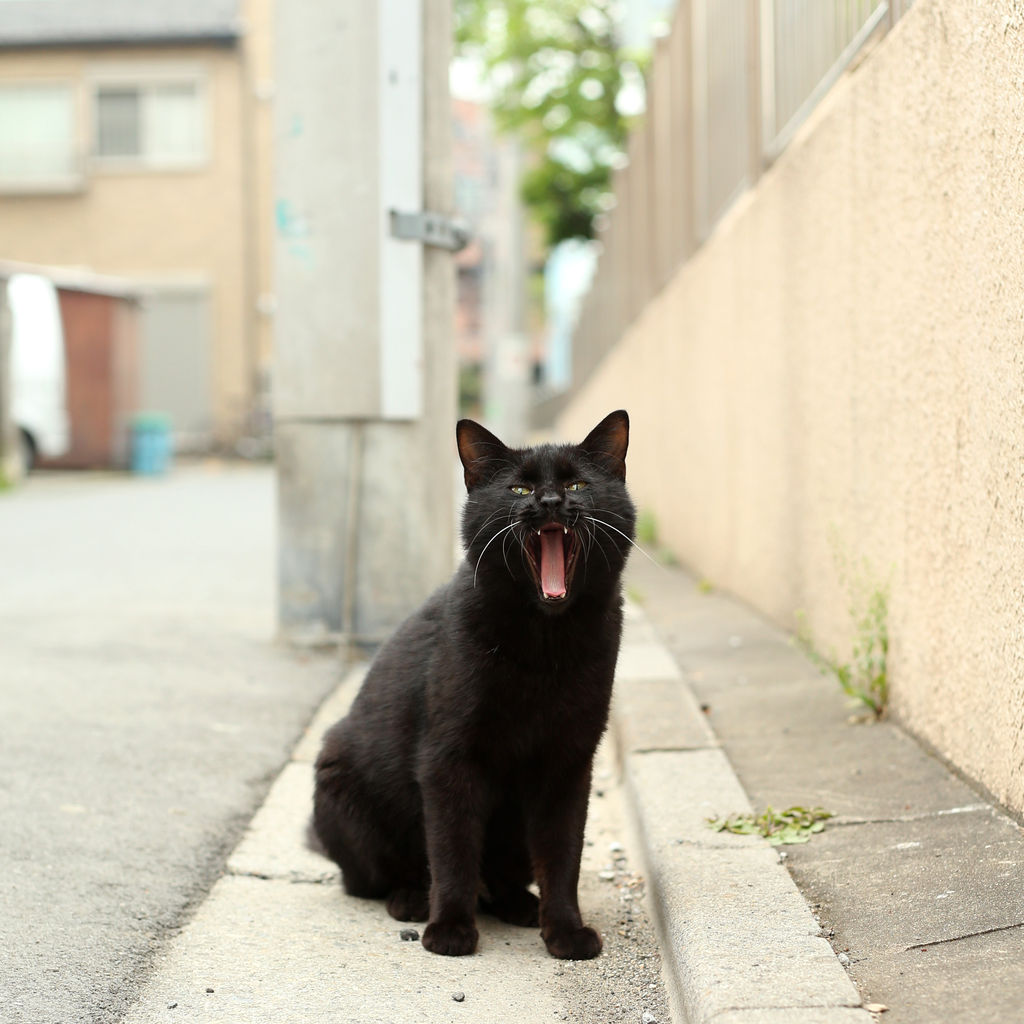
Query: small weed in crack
864, 677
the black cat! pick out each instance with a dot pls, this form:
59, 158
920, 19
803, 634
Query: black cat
462, 772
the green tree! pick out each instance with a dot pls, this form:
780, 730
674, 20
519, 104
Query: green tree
558, 80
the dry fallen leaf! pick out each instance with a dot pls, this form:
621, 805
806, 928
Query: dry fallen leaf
876, 1007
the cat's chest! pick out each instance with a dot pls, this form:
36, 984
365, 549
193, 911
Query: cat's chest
511, 690
524, 712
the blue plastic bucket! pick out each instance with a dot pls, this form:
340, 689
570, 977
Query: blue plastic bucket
151, 444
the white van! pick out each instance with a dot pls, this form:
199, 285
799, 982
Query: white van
38, 386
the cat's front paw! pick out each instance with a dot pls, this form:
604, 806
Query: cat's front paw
450, 939
581, 943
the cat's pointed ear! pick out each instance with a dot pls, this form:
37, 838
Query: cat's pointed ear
606, 444
479, 449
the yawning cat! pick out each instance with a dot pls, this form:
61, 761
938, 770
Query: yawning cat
462, 773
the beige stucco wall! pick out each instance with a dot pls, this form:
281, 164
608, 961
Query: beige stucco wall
842, 366
154, 226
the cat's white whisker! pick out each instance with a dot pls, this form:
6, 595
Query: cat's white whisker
607, 511
504, 551
522, 548
594, 539
504, 529
487, 522
609, 526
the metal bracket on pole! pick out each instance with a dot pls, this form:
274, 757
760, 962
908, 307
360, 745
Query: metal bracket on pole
430, 229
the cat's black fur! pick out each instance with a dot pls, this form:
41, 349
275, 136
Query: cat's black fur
462, 772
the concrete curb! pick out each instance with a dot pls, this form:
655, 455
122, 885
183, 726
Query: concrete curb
267, 850
740, 944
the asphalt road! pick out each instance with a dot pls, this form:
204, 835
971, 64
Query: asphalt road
144, 712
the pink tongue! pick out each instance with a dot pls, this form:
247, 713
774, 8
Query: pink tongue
552, 563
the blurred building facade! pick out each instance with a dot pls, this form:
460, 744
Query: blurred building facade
100, 317
135, 141
499, 334
475, 174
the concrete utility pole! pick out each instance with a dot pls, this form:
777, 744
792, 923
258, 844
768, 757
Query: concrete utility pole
364, 385
7, 439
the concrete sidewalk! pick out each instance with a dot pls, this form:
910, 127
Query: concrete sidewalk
278, 942
909, 900
918, 882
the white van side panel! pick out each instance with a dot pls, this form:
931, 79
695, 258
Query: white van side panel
38, 376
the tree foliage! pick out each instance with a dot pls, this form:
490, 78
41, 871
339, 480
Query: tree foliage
557, 79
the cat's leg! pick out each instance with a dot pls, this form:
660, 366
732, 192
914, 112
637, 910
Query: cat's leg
452, 810
371, 869
344, 842
381, 855
556, 820
507, 870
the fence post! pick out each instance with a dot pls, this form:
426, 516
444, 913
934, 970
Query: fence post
754, 120
681, 122
766, 75
639, 222
699, 107
663, 165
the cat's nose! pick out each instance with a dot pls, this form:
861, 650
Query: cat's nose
550, 501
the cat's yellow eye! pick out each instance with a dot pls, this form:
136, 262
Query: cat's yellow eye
521, 489
577, 486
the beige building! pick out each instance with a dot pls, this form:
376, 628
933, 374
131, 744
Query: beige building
827, 377
135, 140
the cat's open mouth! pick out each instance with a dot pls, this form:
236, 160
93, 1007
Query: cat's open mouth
551, 552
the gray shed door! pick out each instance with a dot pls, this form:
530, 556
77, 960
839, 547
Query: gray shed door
176, 363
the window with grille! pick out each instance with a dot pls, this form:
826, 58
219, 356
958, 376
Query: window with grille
157, 123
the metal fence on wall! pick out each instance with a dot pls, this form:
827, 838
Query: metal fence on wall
806, 45
727, 90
